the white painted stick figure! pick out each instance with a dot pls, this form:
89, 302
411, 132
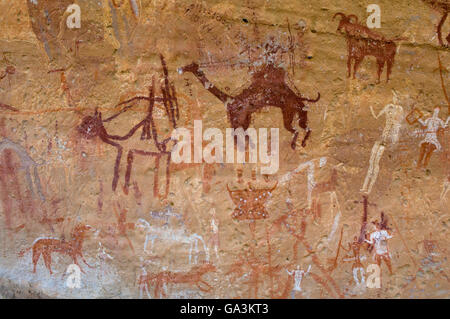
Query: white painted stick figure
214, 239
394, 117
298, 277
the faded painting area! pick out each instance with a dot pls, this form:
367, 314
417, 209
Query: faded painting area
349, 101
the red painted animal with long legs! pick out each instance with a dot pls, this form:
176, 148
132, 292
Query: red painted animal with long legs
93, 126
192, 277
46, 246
268, 88
362, 42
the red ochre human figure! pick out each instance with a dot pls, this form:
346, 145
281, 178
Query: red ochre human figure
357, 266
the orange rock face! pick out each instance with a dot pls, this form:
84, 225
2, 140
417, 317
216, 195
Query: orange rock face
224, 149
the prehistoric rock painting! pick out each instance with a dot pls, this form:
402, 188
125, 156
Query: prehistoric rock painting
45, 246
443, 6
356, 259
356, 208
295, 223
268, 88
362, 42
250, 202
390, 135
378, 239
258, 270
47, 23
166, 234
430, 142
93, 126
9, 70
193, 277
119, 230
298, 275
317, 188
124, 17
27, 163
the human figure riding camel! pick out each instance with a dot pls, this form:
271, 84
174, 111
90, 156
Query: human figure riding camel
268, 88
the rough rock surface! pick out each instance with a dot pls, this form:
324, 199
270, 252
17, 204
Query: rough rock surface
65, 197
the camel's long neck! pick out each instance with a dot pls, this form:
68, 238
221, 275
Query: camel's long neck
210, 87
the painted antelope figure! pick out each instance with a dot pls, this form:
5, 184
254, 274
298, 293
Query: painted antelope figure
268, 88
192, 277
93, 126
362, 42
45, 246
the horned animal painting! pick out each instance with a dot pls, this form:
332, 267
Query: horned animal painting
206, 149
362, 42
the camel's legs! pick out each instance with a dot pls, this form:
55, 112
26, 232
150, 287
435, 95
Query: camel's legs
288, 117
156, 177
164, 176
146, 287
130, 159
303, 123
117, 166
157, 288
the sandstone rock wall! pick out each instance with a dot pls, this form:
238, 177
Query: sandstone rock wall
87, 173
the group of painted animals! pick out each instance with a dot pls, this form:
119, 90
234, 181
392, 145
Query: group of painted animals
268, 88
